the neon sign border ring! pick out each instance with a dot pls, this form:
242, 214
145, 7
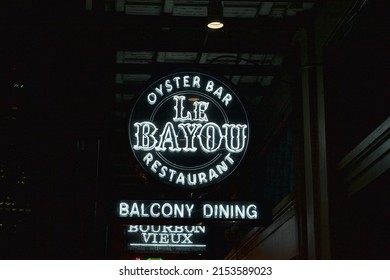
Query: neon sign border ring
189, 130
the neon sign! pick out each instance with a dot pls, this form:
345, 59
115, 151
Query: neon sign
189, 130
165, 238
216, 210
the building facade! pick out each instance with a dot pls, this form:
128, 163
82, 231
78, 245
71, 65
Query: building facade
312, 76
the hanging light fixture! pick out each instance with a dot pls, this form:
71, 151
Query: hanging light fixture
215, 14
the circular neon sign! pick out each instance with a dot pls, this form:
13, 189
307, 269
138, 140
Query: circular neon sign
189, 130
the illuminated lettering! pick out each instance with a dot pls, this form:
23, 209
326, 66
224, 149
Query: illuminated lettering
163, 172
167, 210
177, 240
180, 179
138, 210
251, 211
230, 211
207, 211
210, 137
146, 237
189, 208
221, 168
186, 81
156, 210
134, 211
179, 210
179, 107
162, 235
196, 82
190, 130
182, 210
168, 136
159, 90
212, 174
210, 86
166, 229
172, 173
187, 238
148, 159
235, 137
152, 98
226, 99
190, 179
123, 209
229, 159
177, 79
155, 165
168, 86
154, 214
199, 110
146, 141
202, 177
218, 92
164, 238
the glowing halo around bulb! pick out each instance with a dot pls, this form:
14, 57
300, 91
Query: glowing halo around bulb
215, 25
188, 130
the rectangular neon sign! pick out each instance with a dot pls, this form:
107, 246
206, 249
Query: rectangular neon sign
166, 238
215, 210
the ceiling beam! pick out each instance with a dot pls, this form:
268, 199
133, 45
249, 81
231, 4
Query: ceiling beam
170, 21
186, 34
275, 45
222, 69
